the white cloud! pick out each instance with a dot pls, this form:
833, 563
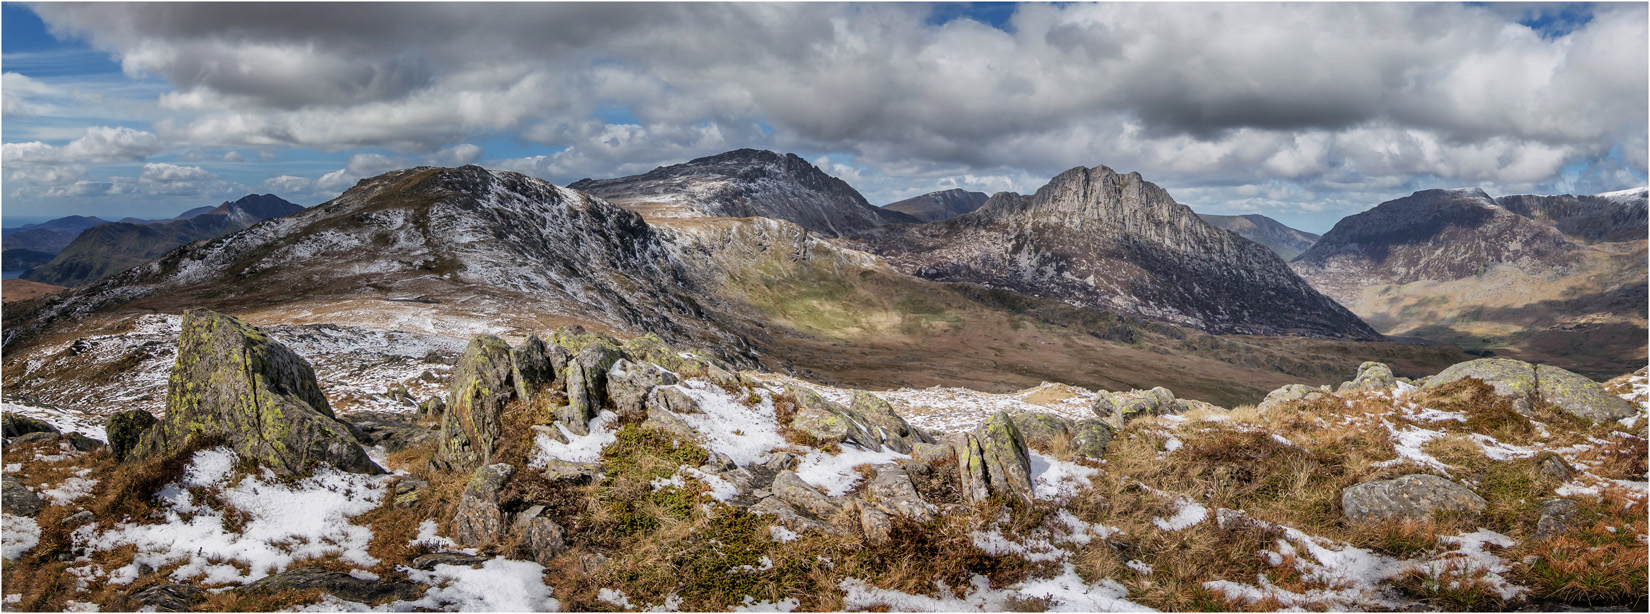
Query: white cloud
160, 172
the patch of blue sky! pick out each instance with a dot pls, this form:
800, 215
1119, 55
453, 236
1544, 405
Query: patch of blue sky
998, 15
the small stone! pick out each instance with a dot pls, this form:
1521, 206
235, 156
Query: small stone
792, 518
17, 499
892, 491
1555, 517
429, 561
82, 443
1552, 467
169, 597
76, 519
1371, 376
557, 470
1090, 436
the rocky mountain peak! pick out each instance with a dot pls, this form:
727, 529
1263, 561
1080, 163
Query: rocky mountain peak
1096, 237
746, 183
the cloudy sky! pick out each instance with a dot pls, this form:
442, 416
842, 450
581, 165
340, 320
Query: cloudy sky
1302, 112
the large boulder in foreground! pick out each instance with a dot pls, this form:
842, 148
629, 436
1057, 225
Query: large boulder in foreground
233, 382
993, 458
483, 382
1411, 497
1521, 381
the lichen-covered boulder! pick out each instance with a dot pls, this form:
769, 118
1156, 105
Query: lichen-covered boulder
587, 385
1514, 379
14, 425
530, 367
896, 433
1579, 396
1411, 497
1104, 405
1525, 384
893, 492
233, 382
16, 499
630, 383
791, 518
483, 383
1007, 460
1371, 376
126, 429
1090, 436
1040, 430
1288, 394
477, 521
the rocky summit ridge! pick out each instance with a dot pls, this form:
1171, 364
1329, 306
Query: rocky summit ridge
746, 183
1117, 242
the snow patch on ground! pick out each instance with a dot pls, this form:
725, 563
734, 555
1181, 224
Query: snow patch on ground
1188, 513
498, 586
1055, 480
19, 535
65, 420
69, 491
284, 523
579, 448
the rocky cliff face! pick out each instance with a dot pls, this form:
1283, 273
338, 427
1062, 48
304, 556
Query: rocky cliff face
746, 183
1285, 241
1117, 242
1615, 216
940, 206
1437, 235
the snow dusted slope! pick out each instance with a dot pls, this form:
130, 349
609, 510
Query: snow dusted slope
452, 234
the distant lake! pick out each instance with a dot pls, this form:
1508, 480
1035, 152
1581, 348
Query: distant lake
10, 274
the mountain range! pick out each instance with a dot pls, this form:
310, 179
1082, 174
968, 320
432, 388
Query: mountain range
103, 249
1559, 279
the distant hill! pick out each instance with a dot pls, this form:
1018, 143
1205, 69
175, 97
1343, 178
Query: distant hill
1286, 241
110, 248
940, 206
18, 259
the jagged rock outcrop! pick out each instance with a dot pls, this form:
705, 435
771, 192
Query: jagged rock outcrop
1523, 382
629, 384
1371, 376
1554, 516
540, 534
892, 430
233, 382
892, 492
939, 206
1436, 235
1412, 497
1286, 242
1118, 410
587, 385
169, 597
746, 183
477, 520
483, 382
1116, 242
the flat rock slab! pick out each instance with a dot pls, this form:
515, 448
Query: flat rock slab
337, 584
1411, 497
